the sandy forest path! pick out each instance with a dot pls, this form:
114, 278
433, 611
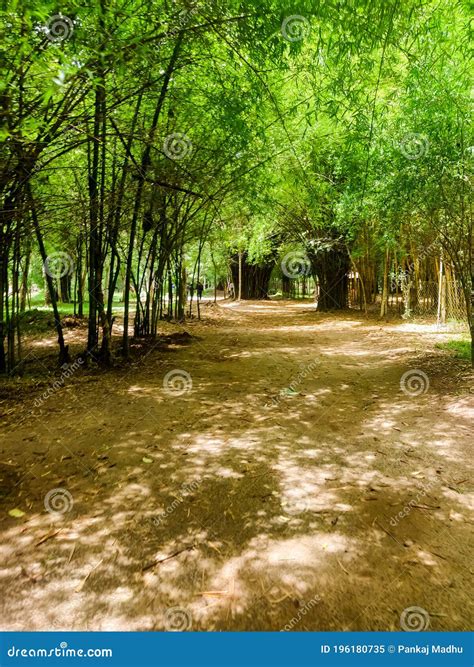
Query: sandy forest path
294, 485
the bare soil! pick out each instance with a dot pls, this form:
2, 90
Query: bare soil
295, 485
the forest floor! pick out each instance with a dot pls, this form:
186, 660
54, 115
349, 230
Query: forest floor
295, 485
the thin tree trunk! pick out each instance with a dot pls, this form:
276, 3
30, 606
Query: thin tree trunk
63, 348
94, 240
240, 275
145, 163
80, 284
25, 275
384, 302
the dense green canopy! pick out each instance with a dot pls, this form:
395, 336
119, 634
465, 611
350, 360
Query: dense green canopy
146, 142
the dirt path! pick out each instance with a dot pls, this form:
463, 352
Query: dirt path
273, 493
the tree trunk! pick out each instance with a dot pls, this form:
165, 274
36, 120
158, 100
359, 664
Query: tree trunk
285, 286
145, 163
3, 273
470, 315
65, 287
79, 278
24, 276
384, 302
239, 280
332, 267
63, 348
255, 280
94, 239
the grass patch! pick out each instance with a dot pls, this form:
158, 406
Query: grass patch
38, 304
461, 348
37, 320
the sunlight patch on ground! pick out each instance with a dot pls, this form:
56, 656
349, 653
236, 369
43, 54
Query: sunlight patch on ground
302, 490
382, 423
350, 351
206, 443
271, 569
264, 351
317, 327
465, 499
153, 391
425, 327
463, 407
44, 342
